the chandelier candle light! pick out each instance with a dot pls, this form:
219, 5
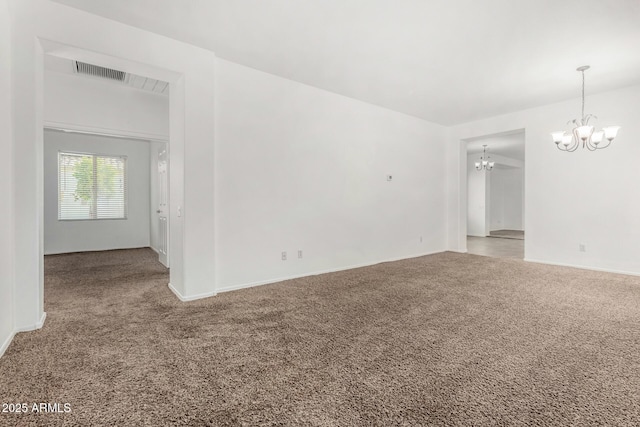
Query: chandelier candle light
582, 132
484, 162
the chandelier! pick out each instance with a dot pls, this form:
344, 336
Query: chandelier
582, 132
484, 162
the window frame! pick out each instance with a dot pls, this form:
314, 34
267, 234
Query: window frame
123, 157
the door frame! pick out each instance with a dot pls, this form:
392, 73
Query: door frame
176, 139
36, 25
459, 231
167, 262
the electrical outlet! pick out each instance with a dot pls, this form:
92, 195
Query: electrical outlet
284, 256
389, 177
582, 247
299, 253
420, 239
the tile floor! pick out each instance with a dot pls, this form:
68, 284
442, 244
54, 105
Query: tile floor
496, 247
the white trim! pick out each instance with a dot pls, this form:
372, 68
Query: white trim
40, 324
6, 343
37, 326
154, 249
281, 279
192, 297
94, 130
584, 267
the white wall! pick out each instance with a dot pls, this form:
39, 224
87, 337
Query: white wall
298, 168
507, 198
584, 197
79, 102
6, 184
478, 200
78, 236
41, 27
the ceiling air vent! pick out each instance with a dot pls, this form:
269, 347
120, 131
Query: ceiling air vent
94, 70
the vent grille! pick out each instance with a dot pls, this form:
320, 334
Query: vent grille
105, 73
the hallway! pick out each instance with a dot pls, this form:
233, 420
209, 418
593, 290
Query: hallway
496, 247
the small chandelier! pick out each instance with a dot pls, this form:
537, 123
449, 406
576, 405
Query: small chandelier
484, 162
582, 132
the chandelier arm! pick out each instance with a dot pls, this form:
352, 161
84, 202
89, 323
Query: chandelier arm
576, 142
609, 141
569, 149
573, 147
590, 145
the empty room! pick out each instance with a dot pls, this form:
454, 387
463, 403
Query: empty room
319, 213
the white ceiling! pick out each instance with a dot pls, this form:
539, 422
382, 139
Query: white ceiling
507, 145
447, 61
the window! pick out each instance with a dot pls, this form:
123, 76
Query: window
91, 186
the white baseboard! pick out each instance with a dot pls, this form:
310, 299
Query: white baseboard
6, 343
35, 327
40, 324
192, 297
584, 267
333, 270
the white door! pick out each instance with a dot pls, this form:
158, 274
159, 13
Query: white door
163, 206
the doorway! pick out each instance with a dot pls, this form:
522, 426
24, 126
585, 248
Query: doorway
105, 179
495, 195
130, 50
104, 186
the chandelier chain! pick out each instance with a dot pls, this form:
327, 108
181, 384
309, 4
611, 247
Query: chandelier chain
582, 94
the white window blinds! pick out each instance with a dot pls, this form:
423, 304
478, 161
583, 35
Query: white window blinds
91, 186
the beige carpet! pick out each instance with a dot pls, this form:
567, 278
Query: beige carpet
507, 234
448, 339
